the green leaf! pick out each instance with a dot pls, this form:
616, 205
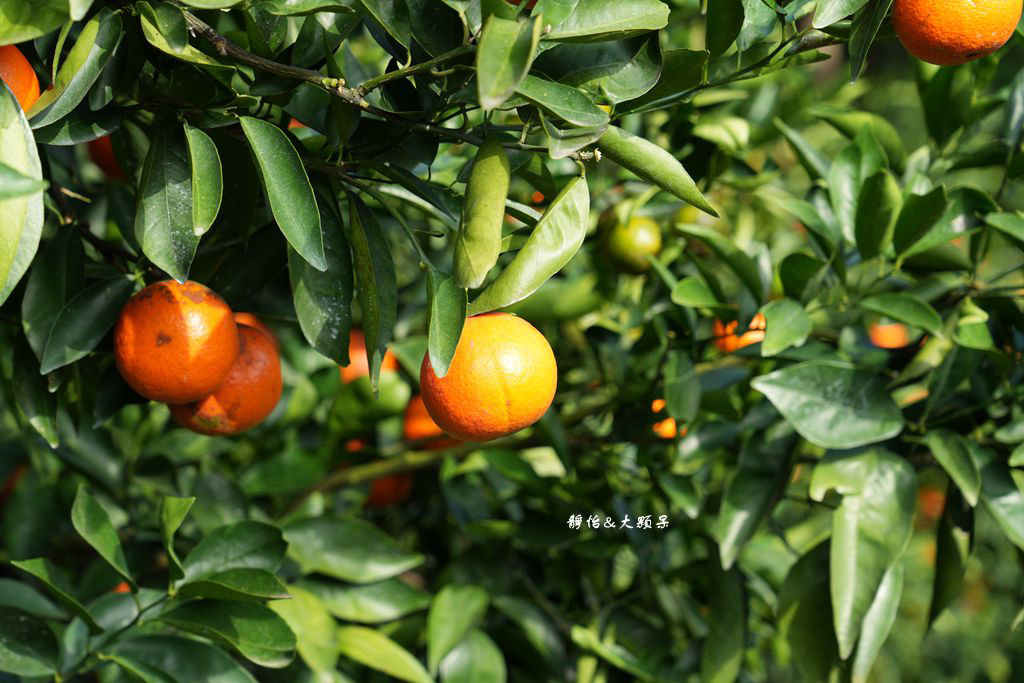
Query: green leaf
31, 394
14, 184
862, 35
738, 261
21, 218
953, 540
371, 603
613, 653
254, 630
393, 15
93, 524
759, 20
919, 214
207, 181
725, 19
172, 513
554, 241
652, 163
620, 70
1000, 495
563, 101
805, 616
1014, 113
245, 544
159, 659
954, 453
323, 299
347, 549
816, 165
535, 626
878, 622
831, 11
831, 404
92, 50
477, 659
164, 210
505, 53
610, 20
22, 21
243, 583
212, 4
287, 188
682, 387
727, 616
152, 31
378, 287
870, 529
447, 306
858, 161
878, 206
375, 650
906, 308
25, 597
564, 143
786, 325
55, 582
84, 321
171, 21
798, 273
693, 293
28, 646
316, 633
455, 611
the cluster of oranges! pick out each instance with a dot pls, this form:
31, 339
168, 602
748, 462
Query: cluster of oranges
180, 344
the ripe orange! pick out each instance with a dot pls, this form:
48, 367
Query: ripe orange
725, 334
419, 426
889, 335
122, 587
358, 366
954, 31
389, 490
252, 321
502, 379
175, 342
101, 151
17, 74
666, 429
627, 245
250, 392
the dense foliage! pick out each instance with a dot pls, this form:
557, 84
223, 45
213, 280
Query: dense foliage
823, 509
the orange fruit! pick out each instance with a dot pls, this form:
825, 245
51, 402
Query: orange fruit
252, 321
250, 392
948, 32
17, 74
537, 197
502, 379
358, 366
419, 426
666, 429
101, 151
122, 587
389, 490
627, 245
725, 334
7, 488
175, 342
889, 335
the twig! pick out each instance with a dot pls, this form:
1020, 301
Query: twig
428, 65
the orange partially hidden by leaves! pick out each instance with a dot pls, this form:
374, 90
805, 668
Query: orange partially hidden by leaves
954, 31
389, 490
250, 392
122, 587
101, 151
537, 197
252, 321
725, 334
667, 428
502, 379
17, 74
358, 366
175, 342
419, 426
889, 335
7, 488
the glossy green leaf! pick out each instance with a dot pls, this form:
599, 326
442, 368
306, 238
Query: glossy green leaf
919, 214
565, 143
878, 206
610, 20
207, 180
786, 325
316, 633
447, 306
759, 20
170, 20
26, 598
725, 19
172, 513
347, 549
76, 128
505, 53
92, 523
870, 529
287, 188
164, 209
28, 646
151, 30
681, 70
377, 280
21, 218
723, 649
243, 583
738, 261
21, 21
805, 615
615, 654
212, 4
476, 659
953, 541
31, 394
878, 622
81, 67
84, 321
370, 603
831, 11
858, 161
954, 453
56, 583
1000, 495
849, 122
831, 404
563, 101
158, 659
247, 544
693, 293
614, 71
393, 15
375, 650
323, 299
14, 184
553, 242
535, 626
254, 630
455, 611
865, 28
906, 308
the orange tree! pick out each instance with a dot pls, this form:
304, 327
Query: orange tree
785, 312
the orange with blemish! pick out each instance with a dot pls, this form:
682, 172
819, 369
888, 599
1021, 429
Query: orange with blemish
358, 366
502, 379
252, 321
727, 340
175, 342
248, 394
17, 74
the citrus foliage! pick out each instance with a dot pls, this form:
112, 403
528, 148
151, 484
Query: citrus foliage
822, 490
